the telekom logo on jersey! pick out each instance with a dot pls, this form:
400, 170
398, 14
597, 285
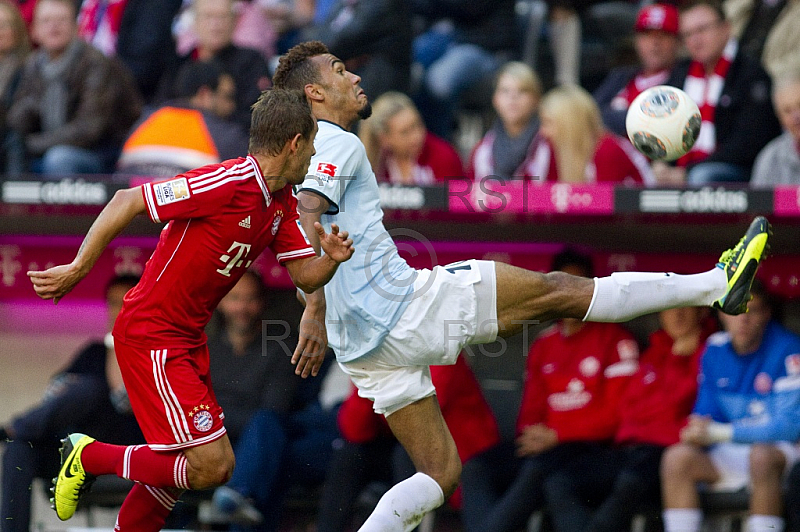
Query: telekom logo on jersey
235, 258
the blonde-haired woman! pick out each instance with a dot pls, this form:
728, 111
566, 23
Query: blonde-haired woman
399, 147
574, 147
14, 48
506, 149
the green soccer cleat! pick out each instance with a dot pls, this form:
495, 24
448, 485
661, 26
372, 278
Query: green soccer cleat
740, 265
72, 481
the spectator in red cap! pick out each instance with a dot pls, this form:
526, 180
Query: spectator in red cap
657, 46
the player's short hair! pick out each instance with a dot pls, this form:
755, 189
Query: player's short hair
276, 118
295, 71
572, 257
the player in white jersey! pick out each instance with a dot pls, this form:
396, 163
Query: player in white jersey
388, 323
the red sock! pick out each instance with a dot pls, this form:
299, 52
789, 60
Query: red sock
146, 509
102, 458
137, 462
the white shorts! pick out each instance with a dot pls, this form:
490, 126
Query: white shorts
732, 461
453, 306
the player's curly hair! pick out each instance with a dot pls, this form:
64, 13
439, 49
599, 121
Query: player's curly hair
295, 70
277, 117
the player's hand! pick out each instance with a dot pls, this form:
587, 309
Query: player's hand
668, 176
56, 282
536, 439
696, 431
335, 244
312, 344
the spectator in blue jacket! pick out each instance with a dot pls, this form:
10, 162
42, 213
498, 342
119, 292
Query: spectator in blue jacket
745, 423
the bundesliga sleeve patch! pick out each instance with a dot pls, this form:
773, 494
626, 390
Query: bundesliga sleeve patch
325, 172
171, 191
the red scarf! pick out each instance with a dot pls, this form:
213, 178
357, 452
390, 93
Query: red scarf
705, 90
638, 84
99, 22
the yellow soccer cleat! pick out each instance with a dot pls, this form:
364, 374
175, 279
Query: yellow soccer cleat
72, 481
740, 265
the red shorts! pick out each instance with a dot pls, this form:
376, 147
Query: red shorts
171, 395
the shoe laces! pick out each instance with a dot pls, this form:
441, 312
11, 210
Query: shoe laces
729, 254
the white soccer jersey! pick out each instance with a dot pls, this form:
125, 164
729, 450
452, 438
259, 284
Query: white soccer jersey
370, 291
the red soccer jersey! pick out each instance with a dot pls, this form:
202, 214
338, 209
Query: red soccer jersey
660, 397
615, 160
221, 217
573, 383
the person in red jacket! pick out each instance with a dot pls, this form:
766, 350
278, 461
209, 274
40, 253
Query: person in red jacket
368, 451
575, 374
573, 146
399, 147
603, 491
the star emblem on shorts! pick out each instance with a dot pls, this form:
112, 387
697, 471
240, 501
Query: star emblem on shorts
196, 409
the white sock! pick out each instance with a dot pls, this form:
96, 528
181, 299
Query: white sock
402, 508
765, 523
626, 295
682, 519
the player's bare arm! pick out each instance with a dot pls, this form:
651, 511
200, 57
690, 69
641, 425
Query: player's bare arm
309, 275
313, 341
56, 282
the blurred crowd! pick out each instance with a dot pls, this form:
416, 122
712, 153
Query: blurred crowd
608, 426
613, 422
460, 87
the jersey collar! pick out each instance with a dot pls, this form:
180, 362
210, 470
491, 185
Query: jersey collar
260, 179
334, 124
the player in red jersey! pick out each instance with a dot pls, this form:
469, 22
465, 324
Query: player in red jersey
221, 217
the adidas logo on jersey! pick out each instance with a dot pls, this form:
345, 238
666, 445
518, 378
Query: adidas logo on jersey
245, 223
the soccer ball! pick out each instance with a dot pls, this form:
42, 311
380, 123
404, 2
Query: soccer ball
663, 122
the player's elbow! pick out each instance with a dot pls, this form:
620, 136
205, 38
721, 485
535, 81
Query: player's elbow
305, 284
305, 287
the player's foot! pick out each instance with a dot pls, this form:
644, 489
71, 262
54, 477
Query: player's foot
72, 481
740, 265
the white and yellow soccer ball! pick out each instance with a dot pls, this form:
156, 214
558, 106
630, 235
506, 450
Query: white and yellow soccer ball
663, 123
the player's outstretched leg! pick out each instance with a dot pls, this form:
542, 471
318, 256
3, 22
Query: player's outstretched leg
740, 265
524, 295
623, 296
72, 480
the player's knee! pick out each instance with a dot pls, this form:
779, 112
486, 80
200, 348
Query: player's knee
212, 472
766, 463
677, 461
213, 475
